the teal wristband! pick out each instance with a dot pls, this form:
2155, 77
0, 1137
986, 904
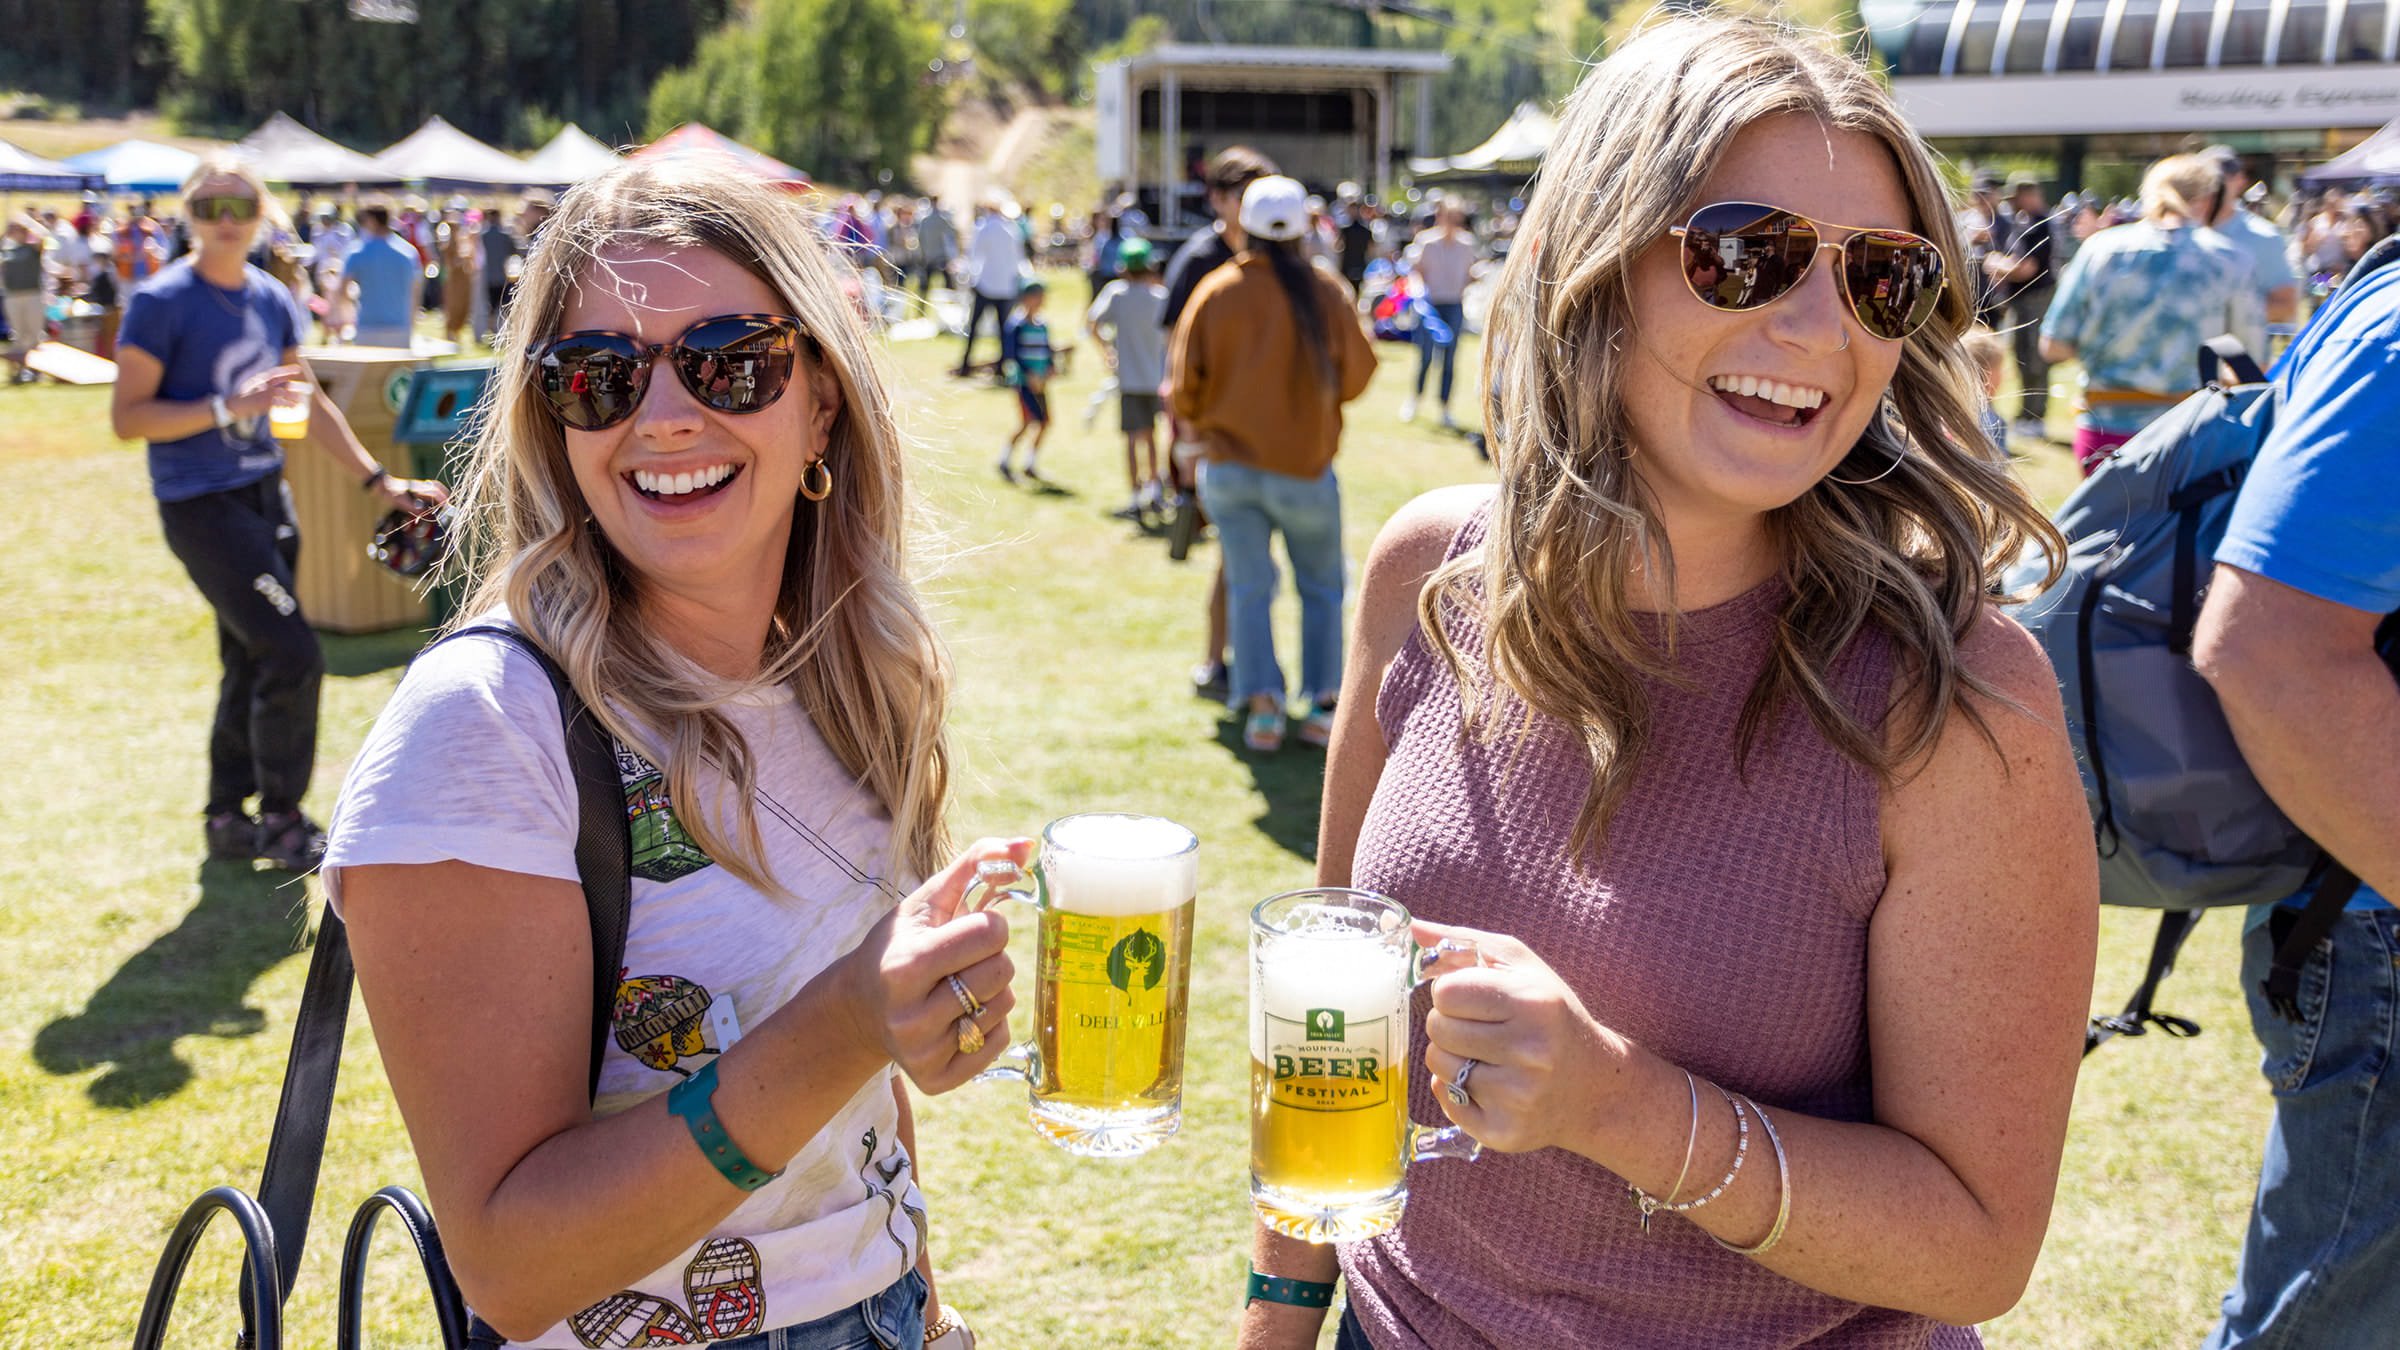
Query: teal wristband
1298, 1293
694, 1099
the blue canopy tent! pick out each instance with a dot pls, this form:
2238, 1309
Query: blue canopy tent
24, 172
141, 168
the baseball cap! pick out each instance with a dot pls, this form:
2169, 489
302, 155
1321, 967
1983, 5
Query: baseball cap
1134, 254
2019, 182
1274, 207
1987, 180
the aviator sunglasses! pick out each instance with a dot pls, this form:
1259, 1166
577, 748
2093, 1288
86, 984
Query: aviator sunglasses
222, 208
1741, 255
732, 363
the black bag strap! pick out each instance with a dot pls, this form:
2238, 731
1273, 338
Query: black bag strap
2174, 926
603, 858
2297, 936
2226, 351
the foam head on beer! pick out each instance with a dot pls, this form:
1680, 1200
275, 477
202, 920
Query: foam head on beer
1120, 864
1318, 964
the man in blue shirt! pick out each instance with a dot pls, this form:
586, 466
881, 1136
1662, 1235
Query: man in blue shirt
2309, 567
389, 274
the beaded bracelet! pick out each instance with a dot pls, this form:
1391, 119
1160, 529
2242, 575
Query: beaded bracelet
1650, 1204
1783, 1204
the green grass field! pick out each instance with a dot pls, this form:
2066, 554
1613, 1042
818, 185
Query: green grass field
144, 1024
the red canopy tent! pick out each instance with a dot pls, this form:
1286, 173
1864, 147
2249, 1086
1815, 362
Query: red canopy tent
694, 141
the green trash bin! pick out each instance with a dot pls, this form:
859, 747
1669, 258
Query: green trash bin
431, 424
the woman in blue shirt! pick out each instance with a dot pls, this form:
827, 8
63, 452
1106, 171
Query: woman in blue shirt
208, 346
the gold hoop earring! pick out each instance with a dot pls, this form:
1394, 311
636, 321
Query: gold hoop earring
1899, 453
816, 483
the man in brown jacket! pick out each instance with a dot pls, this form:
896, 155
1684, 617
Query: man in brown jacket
1262, 361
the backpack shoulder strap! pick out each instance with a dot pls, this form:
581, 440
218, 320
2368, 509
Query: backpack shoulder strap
603, 841
603, 858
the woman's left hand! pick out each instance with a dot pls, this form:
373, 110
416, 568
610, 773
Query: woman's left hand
413, 494
1544, 1069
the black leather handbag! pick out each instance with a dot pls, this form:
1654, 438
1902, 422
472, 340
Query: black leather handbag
275, 1224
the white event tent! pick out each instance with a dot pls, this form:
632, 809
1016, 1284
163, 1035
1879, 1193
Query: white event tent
444, 158
571, 156
283, 151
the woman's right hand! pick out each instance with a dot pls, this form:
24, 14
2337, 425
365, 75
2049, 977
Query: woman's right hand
897, 977
253, 396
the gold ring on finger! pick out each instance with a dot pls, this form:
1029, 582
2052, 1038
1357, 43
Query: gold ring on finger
970, 1036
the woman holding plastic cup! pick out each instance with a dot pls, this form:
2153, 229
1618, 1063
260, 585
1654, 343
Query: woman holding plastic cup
207, 367
1702, 731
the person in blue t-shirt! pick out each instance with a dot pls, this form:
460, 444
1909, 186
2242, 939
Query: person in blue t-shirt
209, 345
387, 273
2309, 568
1025, 363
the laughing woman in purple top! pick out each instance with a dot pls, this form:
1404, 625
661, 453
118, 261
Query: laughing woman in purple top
1702, 728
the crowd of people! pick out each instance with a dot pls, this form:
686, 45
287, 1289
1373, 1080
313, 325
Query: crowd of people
1720, 652
2130, 289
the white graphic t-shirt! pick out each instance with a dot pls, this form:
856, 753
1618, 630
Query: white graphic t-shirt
469, 762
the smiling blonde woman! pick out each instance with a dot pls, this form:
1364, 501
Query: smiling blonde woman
688, 490
1702, 730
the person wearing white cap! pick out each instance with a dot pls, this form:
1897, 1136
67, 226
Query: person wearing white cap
1263, 358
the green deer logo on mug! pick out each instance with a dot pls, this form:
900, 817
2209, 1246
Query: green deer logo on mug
1139, 955
1326, 1024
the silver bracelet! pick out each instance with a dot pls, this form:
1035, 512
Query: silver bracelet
1649, 1204
1783, 1204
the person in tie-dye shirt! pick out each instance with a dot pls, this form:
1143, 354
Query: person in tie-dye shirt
2138, 300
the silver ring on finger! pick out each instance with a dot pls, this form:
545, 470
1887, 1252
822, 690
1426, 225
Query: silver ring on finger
967, 1002
1458, 1092
970, 1036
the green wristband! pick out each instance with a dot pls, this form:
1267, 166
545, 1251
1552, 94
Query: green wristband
694, 1099
1298, 1293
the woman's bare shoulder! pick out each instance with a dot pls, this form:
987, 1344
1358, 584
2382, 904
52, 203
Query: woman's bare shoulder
1409, 547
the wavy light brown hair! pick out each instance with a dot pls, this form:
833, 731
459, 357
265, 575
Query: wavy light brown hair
848, 636
1912, 554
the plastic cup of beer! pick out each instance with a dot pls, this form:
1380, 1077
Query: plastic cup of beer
289, 421
1112, 980
1330, 1134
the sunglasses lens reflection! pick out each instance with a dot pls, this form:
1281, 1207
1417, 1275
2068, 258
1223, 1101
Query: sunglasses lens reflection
592, 380
1740, 255
736, 365
1894, 280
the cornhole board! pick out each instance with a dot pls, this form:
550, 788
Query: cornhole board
71, 365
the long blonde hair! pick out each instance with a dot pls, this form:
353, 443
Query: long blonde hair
1912, 553
848, 635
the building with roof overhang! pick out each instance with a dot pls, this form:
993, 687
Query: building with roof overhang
2079, 80
1325, 115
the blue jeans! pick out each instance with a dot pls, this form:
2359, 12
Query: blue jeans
2321, 1263
1454, 314
1249, 505
1350, 1335
891, 1320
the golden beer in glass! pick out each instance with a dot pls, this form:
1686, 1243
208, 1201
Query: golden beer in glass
1112, 980
1330, 1135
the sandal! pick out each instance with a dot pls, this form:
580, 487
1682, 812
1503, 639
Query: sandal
232, 837
290, 841
1316, 729
1262, 730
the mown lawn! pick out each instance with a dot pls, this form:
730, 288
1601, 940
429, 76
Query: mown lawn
144, 1024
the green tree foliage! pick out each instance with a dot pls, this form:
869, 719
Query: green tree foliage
1035, 44
492, 66
836, 87
96, 51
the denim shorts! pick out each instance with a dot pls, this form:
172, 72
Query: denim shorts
891, 1320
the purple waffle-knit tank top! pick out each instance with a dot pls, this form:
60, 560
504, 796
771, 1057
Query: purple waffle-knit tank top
1724, 926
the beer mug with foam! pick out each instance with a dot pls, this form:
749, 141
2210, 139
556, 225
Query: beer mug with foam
1330, 1134
1112, 979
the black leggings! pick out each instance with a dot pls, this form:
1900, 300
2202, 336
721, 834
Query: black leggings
240, 547
997, 308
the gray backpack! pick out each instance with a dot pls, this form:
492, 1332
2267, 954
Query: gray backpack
2181, 824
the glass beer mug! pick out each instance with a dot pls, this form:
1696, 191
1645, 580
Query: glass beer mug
1330, 1134
1112, 979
